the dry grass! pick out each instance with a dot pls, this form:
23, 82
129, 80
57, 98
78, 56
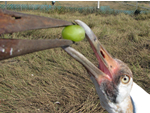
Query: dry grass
51, 81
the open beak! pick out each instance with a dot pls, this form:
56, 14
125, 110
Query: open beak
11, 22
107, 65
15, 22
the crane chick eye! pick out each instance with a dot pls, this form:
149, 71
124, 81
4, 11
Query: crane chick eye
125, 79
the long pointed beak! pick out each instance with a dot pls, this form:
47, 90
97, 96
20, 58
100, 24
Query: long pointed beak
14, 47
11, 22
106, 63
104, 58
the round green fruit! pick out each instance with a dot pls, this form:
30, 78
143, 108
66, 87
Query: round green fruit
73, 32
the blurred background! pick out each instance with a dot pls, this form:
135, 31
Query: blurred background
128, 7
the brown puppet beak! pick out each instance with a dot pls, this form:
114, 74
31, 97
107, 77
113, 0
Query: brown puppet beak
11, 22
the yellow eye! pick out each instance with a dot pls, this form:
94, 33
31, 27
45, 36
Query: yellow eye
125, 79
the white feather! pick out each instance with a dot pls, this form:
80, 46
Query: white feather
141, 99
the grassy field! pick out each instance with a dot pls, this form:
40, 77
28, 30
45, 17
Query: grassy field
51, 81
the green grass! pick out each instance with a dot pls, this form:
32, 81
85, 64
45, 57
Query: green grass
37, 82
74, 5
112, 4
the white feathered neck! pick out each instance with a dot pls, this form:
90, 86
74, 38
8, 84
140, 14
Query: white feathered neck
139, 100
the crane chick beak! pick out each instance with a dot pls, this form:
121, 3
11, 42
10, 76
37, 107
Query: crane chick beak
106, 63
